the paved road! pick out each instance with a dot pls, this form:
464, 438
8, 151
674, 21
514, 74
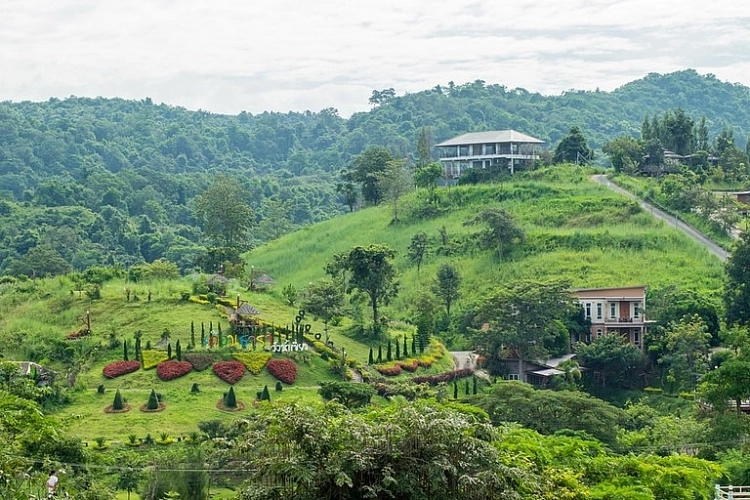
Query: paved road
693, 233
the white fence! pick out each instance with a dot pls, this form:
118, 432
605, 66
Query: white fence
732, 492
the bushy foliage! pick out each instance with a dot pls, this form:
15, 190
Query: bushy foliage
443, 377
118, 368
229, 371
253, 361
283, 369
152, 358
199, 360
172, 369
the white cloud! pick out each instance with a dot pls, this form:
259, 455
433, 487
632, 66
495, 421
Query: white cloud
232, 55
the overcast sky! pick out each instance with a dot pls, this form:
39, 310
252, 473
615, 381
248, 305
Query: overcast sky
227, 56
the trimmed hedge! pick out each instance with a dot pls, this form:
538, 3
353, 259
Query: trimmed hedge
119, 368
283, 369
253, 361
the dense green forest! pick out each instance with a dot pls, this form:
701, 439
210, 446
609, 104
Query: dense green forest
103, 181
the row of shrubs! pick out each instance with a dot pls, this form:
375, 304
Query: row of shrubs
231, 372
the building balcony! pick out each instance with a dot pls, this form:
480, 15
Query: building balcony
505, 156
623, 321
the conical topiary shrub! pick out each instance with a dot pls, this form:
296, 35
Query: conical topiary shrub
118, 403
194, 389
153, 401
230, 401
266, 396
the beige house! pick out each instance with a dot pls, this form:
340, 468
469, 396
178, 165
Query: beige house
505, 148
615, 311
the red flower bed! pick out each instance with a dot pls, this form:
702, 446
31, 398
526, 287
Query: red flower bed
283, 369
170, 370
389, 371
410, 367
118, 368
229, 371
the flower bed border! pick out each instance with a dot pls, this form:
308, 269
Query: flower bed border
144, 408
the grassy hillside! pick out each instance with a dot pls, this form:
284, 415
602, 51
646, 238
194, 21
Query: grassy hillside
575, 230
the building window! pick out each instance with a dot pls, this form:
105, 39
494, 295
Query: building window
598, 332
512, 376
637, 336
489, 149
598, 310
637, 310
612, 310
588, 337
588, 310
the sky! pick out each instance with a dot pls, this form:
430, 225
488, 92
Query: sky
228, 56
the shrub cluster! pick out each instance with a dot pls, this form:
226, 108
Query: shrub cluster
229, 371
283, 369
172, 369
410, 365
390, 370
118, 368
443, 377
253, 361
199, 360
152, 358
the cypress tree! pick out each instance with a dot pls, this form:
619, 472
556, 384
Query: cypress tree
466, 387
153, 401
192, 334
266, 395
398, 350
279, 387
195, 389
210, 326
388, 355
413, 346
455, 390
178, 349
231, 400
369, 358
125, 350
118, 403
148, 345
169, 350
380, 354
218, 325
474, 387
421, 345
138, 349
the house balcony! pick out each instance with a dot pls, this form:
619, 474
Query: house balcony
623, 321
505, 156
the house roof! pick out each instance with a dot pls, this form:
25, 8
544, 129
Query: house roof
490, 137
247, 310
607, 288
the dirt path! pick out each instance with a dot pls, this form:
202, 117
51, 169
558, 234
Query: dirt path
693, 233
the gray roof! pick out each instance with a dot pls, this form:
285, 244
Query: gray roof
247, 310
491, 137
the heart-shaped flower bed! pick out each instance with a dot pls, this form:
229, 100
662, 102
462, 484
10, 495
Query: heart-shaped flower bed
170, 370
283, 369
229, 371
118, 368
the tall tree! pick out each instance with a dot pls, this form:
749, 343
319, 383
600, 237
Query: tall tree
447, 285
428, 176
224, 214
685, 353
573, 147
418, 249
366, 170
522, 320
617, 362
424, 147
324, 299
501, 230
371, 272
737, 284
394, 182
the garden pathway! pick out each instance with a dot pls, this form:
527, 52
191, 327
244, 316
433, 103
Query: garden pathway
689, 230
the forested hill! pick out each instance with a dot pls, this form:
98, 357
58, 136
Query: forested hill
110, 180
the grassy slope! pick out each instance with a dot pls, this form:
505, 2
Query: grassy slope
630, 246
575, 230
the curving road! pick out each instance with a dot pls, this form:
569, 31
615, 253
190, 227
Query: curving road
693, 233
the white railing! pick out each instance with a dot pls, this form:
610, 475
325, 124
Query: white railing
731, 492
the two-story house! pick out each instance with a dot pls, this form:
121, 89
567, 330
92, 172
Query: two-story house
505, 148
614, 311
